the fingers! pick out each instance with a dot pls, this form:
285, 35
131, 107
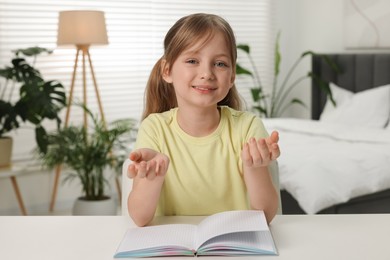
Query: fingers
131, 171
155, 168
135, 156
272, 142
274, 137
140, 168
264, 152
246, 156
273, 145
128, 168
261, 152
275, 151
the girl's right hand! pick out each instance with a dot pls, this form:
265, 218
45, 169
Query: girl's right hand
146, 163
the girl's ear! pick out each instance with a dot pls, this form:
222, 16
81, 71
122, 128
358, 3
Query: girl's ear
165, 71
232, 79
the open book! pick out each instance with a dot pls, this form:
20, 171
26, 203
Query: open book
242, 232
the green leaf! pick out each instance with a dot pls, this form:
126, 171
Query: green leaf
20, 71
244, 47
331, 63
41, 100
256, 94
307, 53
261, 110
240, 70
32, 51
298, 101
278, 57
324, 86
41, 138
8, 117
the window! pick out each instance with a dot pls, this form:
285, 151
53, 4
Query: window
136, 29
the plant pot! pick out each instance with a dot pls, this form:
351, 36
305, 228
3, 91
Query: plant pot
104, 207
5, 151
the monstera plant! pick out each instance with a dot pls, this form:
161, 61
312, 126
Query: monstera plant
26, 97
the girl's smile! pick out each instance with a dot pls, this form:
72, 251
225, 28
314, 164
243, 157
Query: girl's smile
204, 89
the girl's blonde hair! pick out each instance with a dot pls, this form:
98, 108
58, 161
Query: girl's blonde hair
159, 95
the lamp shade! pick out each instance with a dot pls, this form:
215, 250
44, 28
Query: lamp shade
82, 28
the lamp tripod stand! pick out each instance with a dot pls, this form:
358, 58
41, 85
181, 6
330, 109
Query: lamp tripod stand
84, 50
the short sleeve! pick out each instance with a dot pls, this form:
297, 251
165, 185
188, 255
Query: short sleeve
147, 136
254, 127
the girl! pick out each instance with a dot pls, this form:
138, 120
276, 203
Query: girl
196, 152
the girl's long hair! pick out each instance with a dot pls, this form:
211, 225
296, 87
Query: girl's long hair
159, 95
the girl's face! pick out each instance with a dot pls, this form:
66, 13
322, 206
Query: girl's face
203, 74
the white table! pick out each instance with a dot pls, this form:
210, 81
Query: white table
313, 237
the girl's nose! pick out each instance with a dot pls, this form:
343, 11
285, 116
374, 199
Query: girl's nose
207, 73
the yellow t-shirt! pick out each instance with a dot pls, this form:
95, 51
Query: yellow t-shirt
205, 173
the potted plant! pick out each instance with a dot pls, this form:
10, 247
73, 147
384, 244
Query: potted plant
88, 155
37, 99
275, 103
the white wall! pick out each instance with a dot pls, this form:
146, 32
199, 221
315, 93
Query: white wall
314, 25
308, 25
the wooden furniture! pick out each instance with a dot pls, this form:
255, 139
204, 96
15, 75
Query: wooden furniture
359, 72
320, 237
18, 169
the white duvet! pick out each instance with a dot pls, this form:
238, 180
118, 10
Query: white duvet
324, 164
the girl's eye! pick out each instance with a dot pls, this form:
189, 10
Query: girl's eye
191, 61
221, 64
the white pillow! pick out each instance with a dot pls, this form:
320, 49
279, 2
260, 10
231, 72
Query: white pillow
340, 95
369, 108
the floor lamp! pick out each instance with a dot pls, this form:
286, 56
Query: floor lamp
82, 29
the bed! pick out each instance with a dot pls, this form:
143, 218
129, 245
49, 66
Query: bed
339, 161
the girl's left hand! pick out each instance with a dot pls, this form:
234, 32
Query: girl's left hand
260, 153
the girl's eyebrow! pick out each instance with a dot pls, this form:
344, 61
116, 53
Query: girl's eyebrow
222, 55
197, 52
191, 51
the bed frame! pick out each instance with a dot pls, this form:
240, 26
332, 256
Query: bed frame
358, 72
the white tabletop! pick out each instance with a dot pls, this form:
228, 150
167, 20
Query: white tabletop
297, 237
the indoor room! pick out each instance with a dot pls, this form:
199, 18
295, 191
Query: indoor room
75, 79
